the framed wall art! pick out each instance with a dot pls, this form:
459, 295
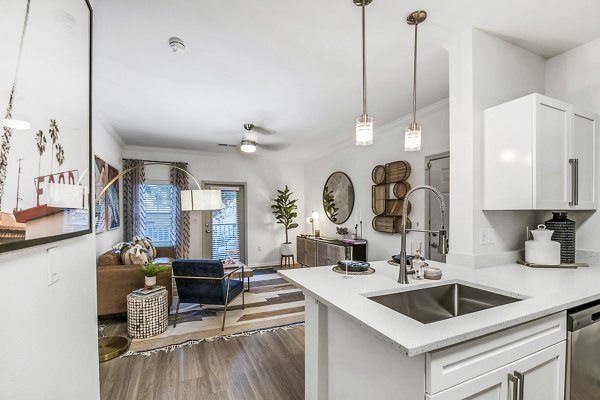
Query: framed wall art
100, 180
107, 214
45, 105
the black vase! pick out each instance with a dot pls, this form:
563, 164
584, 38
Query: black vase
564, 233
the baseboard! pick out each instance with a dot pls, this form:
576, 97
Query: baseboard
484, 260
264, 264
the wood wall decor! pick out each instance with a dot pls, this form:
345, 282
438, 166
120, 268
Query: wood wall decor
387, 196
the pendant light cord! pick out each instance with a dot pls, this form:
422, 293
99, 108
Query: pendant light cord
415, 78
364, 62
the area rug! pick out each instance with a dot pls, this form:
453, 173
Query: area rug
272, 303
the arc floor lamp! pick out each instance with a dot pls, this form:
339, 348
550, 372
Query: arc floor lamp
63, 195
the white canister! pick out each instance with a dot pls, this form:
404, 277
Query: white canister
542, 250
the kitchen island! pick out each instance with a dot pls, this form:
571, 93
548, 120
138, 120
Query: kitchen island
357, 348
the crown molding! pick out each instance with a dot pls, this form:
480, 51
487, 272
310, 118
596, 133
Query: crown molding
384, 129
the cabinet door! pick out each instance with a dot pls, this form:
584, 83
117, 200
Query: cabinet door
335, 254
584, 149
322, 254
300, 250
310, 253
542, 373
552, 132
306, 250
491, 386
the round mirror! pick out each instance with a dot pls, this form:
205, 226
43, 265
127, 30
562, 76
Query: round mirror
338, 197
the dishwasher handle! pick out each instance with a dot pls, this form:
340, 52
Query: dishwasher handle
583, 318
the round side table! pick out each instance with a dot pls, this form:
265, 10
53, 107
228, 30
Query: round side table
147, 315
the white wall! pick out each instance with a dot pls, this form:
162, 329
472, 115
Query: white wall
48, 339
263, 174
109, 147
574, 77
484, 71
358, 162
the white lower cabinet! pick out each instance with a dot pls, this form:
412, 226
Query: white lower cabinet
539, 376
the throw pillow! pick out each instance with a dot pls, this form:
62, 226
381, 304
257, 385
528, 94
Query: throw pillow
135, 254
146, 243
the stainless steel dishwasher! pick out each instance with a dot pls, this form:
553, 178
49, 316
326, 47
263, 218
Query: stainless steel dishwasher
583, 353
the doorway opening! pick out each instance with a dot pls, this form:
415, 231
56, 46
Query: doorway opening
437, 174
224, 232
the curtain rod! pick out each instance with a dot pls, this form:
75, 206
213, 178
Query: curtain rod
154, 161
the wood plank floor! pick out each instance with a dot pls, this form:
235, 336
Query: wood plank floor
267, 366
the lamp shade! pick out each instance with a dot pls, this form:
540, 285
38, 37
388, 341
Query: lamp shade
198, 200
62, 195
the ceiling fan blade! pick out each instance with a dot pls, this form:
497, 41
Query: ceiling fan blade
273, 146
263, 131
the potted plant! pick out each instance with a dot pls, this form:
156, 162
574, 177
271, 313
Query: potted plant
284, 208
151, 270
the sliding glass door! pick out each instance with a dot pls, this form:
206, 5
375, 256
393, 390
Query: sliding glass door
224, 233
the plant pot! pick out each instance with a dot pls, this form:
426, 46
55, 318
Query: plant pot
287, 249
150, 282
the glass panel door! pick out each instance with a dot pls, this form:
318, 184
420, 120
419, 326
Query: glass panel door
224, 233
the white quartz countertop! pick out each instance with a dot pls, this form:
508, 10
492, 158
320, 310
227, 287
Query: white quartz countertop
545, 291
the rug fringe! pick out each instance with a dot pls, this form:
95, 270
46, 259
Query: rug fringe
194, 342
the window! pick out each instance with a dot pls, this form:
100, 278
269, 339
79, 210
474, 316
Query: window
158, 201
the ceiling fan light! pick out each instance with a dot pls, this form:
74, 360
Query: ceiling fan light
412, 138
364, 130
248, 146
17, 124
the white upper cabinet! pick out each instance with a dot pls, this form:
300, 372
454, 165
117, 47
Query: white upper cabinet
539, 154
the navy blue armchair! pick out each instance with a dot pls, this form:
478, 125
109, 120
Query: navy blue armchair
205, 282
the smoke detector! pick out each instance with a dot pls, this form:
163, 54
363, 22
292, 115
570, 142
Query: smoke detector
176, 44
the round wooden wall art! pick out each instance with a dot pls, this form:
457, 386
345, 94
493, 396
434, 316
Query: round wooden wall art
378, 174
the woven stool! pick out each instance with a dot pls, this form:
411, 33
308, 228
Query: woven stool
147, 315
287, 261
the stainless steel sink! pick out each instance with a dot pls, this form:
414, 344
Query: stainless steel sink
437, 303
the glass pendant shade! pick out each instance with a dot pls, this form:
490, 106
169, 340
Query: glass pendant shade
364, 130
412, 138
17, 124
248, 146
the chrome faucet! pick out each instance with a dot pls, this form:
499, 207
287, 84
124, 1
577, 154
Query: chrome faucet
442, 233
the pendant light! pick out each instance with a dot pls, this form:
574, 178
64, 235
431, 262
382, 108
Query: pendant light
364, 124
412, 136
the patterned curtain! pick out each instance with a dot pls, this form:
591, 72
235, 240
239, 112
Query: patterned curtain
180, 220
134, 209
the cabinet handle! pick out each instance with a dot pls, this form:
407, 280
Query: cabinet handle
515, 382
521, 380
574, 162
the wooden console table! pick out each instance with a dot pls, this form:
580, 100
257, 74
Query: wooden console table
318, 252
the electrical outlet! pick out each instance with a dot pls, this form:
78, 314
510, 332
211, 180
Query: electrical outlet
491, 236
483, 236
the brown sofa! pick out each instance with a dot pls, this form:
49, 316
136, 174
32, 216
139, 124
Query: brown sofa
115, 280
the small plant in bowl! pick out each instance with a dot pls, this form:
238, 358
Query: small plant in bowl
151, 270
341, 230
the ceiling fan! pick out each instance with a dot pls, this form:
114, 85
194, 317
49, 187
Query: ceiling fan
250, 141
